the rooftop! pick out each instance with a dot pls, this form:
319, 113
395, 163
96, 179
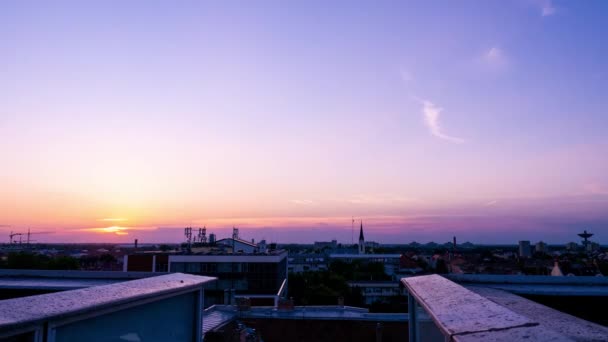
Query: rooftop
218, 252
64, 280
219, 315
22, 312
483, 314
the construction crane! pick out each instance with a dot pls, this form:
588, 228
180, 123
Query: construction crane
12, 235
28, 240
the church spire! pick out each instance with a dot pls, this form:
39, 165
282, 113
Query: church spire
361, 232
361, 240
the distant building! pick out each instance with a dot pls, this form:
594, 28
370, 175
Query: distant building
556, 271
378, 291
572, 246
541, 247
525, 251
298, 263
238, 245
333, 244
408, 266
593, 246
371, 245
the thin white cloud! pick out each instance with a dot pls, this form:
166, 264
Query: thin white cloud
494, 57
547, 8
491, 203
381, 199
595, 189
431, 119
406, 75
111, 219
301, 202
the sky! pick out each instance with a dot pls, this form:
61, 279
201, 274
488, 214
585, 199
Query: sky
484, 120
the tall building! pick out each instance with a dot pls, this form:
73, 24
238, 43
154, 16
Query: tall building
525, 251
541, 247
361, 240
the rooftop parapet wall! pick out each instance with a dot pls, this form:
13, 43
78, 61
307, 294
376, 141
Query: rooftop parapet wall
462, 315
17, 273
136, 303
527, 279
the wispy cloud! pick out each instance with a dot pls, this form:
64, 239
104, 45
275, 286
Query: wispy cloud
113, 219
117, 230
431, 119
595, 189
301, 202
381, 199
494, 57
491, 203
546, 8
406, 75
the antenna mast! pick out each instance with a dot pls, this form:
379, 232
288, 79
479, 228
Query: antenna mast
352, 231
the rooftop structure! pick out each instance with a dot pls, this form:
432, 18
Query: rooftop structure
261, 274
377, 291
322, 323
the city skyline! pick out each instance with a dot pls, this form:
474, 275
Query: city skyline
485, 120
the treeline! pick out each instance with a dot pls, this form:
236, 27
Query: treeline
325, 287
34, 261
31, 261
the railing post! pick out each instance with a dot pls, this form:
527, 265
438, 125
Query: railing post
199, 306
413, 318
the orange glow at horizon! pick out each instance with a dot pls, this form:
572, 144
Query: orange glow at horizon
113, 229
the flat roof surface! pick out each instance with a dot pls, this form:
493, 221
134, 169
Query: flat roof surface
214, 318
58, 284
323, 312
65, 280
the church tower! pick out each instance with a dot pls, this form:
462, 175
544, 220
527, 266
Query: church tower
361, 240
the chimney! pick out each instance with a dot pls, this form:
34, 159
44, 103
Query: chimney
135, 243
